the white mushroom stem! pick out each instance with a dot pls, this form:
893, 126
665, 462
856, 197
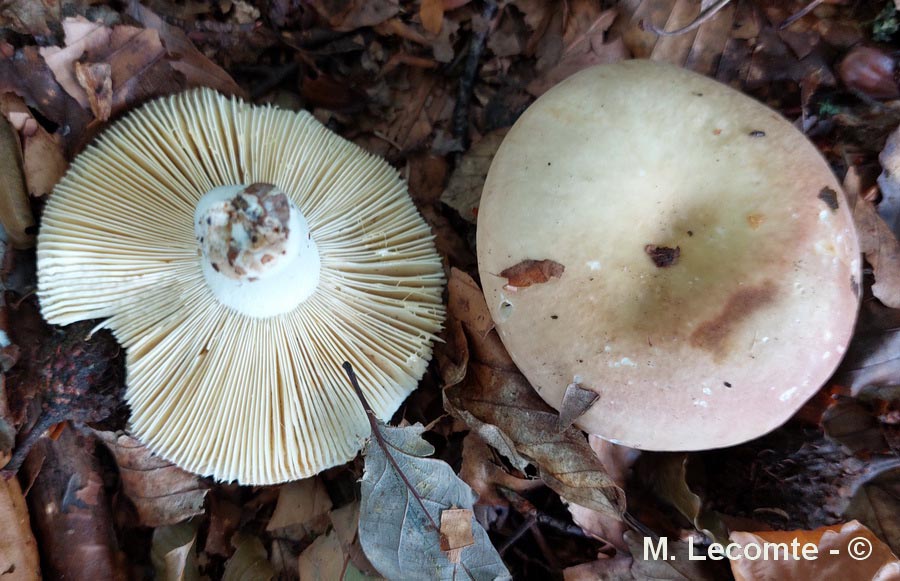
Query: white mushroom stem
257, 253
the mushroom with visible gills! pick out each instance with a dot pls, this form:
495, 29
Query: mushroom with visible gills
241, 254
708, 268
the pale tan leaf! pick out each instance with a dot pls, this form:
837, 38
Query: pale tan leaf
463, 192
250, 561
173, 552
81, 35
300, 503
44, 162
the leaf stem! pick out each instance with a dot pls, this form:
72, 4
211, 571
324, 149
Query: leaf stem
385, 446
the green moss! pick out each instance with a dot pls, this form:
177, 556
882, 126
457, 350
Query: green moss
886, 23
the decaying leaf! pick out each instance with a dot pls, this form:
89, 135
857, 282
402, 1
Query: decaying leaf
576, 401
250, 561
397, 536
466, 300
484, 475
872, 362
347, 15
876, 504
852, 423
304, 503
96, 80
19, 559
198, 70
173, 552
15, 212
162, 493
617, 568
44, 162
529, 272
345, 521
876, 241
498, 403
463, 192
889, 181
324, 560
81, 35
589, 48
667, 475
849, 551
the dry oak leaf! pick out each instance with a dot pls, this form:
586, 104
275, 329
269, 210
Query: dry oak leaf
173, 553
848, 551
872, 363
162, 493
463, 192
19, 559
304, 503
529, 272
878, 243
498, 403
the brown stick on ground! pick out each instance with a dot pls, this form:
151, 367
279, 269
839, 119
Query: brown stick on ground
70, 510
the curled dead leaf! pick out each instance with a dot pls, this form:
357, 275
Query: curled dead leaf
497, 402
162, 493
849, 551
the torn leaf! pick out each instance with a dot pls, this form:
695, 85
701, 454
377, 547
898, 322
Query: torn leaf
529, 272
576, 401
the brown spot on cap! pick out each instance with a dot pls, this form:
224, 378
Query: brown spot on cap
663, 256
755, 220
830, 197
712, 335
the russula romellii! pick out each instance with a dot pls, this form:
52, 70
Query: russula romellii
241, 254
705, 271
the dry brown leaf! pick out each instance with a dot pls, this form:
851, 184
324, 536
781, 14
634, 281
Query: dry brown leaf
19, 559
347, 15
95, 79
138, 66
456, 532
28, 16
304, 503
346, 524
876, 503
529, 272
878, 243
617, 461
431, 13
463, 192
849, 551
197, 69
465, 299
44, 162
27, 75
162, 493
323, 560
588, 49
576, 401
224, 518
889, 182
872, 362
80, 35
15, 211
173, 552
498, 403
617, 568
484, 475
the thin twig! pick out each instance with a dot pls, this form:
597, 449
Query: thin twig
460, 123
799, 14
385, 446
701, 19
517, 534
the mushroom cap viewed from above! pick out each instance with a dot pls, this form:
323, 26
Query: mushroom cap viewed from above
703, 272
240, 254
